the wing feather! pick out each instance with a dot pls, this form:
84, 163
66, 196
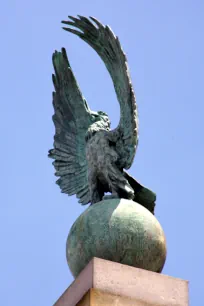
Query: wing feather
107, 45
71, 118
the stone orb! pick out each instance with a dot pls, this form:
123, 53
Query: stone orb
118, 230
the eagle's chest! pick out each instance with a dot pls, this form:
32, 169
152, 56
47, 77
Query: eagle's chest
99, 153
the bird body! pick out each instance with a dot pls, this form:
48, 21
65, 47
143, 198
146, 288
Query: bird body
104, 174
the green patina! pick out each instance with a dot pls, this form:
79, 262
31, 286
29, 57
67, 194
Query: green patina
91, 160
118, 230
90, 157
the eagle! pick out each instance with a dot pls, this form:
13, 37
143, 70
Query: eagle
90, 159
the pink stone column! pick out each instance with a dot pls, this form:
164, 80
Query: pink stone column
107, 283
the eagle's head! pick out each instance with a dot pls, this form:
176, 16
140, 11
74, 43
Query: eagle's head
100, 121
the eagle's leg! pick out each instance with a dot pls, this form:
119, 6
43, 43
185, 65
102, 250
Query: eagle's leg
96, 192
118, 184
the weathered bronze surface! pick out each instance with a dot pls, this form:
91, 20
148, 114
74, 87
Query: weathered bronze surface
90, 160
89, 157
118, 230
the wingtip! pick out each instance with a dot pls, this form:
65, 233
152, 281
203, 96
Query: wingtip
72, 17
96, 21
64, 53
64, 28
55, 55
66, 22
50, 153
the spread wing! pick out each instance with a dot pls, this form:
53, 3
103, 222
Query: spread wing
72, 118
107, 45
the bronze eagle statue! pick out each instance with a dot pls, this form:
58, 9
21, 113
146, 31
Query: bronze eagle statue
89, 157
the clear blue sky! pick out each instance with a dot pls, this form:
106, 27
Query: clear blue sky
164, 44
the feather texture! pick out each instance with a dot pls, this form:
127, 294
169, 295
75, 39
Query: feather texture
72, 119
107, 45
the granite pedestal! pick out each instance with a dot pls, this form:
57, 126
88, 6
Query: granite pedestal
104, 283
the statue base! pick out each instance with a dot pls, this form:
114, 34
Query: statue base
106, 283
118, 230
